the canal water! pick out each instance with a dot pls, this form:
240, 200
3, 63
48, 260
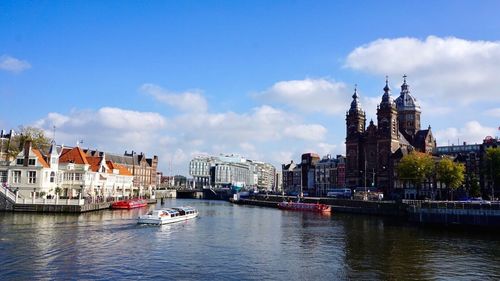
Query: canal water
232, 242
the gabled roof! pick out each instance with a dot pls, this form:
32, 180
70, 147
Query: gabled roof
121, 170
94, 162
402, 139
420, 138
40, 157
73, 155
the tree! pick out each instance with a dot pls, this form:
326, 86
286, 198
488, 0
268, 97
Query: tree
493, 167
35, 135
415, 168
450, 173
475, 189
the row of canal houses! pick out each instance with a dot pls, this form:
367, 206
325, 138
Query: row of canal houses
68, 173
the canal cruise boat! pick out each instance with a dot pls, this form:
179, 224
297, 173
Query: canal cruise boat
129, 204
308, 207
169, 215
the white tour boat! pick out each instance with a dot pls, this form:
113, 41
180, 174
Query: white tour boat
170, 215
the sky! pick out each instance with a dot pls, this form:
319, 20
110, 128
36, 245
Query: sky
268, 80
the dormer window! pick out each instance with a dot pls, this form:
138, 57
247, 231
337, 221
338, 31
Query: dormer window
20, 161
31, 162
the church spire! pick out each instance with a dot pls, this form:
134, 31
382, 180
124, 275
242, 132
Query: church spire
355, 104
405, 88
386, 98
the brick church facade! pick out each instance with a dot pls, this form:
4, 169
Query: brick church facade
372, 152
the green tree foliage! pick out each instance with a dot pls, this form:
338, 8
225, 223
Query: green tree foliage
415, 167
450, 173
493, 165
475, 189
35, 135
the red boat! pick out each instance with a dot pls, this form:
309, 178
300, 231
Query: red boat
308, 207
129, 204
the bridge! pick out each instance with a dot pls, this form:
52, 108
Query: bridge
205, 193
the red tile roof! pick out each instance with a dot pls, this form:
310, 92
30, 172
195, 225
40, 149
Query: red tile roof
121, 170
95, 163
40, 157
74, 155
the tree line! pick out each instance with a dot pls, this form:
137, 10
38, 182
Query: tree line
417, 168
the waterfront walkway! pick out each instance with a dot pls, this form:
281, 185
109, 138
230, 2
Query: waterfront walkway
11, 201
481, 213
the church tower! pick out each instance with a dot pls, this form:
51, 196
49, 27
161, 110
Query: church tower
408, 112
387, 137
355, 158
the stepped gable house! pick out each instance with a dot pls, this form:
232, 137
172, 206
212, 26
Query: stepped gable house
373, 151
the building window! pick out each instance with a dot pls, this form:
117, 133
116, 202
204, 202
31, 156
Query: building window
3, 176
32, 176
31, 162
52, 176
16, 176
78, 176
20, 161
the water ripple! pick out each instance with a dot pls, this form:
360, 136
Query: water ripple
238, 243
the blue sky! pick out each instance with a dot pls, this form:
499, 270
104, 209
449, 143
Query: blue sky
265, 79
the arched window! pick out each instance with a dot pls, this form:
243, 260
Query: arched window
52, 176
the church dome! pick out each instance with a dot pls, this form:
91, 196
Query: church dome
355, 104
405, 101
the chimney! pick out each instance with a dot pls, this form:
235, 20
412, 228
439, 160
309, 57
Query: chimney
27, 148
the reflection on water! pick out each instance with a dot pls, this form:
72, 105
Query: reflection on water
230, 242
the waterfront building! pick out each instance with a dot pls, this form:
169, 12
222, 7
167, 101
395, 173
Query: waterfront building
94, 175
329, 174
473, 156
142, 168
199, 169
65, 172
372, 152
30, 173
290, 184
231, 170
313, 176
266, 176
307, 167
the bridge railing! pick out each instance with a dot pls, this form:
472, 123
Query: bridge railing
483, 205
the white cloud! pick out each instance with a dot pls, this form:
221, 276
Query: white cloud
106, 128
191, 101
327, 148
12, 64
306, 132
494, 112
309, 95
255, 135
472, 132
446, 70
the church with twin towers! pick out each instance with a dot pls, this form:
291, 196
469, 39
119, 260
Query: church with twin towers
373, 151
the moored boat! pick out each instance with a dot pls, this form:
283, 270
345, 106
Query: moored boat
169, 215
308, 207
129, 204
